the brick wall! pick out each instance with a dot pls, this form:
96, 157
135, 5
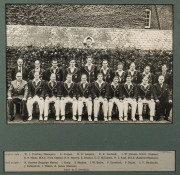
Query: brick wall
99, 16
72, 37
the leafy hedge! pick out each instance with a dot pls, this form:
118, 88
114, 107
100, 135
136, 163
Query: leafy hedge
153, 58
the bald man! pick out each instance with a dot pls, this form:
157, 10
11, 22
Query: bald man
37, 68
163, 98
19, 68
17, 93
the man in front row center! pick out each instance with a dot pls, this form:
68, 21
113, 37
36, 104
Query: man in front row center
100, 92
84, 96
68, 95
52, 94
17, 93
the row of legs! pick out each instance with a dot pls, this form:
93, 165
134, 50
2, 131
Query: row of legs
77, 106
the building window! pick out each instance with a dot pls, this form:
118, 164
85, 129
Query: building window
147, 19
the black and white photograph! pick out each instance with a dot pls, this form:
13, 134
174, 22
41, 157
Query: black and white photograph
89, 63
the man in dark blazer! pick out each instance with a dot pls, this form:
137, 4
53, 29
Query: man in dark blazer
115, 96
167, 76
74, 71
54, 69
51, 89
19, 68
106, 72
120, 73
129, 91
133, 73
68, 94
37, 68
17, 93
84, 96
146, 96
163, 98
100, 93
148, 74
90, 70
36, 94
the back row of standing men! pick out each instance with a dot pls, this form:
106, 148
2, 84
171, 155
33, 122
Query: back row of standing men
118, 87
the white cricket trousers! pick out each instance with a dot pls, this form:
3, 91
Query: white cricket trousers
56, 104
119, 105
151, 105
88, 104
133, 104
32, 101
68, 100
97, 106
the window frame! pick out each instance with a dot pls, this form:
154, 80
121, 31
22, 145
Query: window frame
149, 19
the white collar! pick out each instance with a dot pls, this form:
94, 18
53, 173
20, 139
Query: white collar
36, 81
132, 71
147, 74
88, 64
52, 82
68, 83
53, 68
114, 84
129, 84
144, 85
104, 69
83, 83
101, 82
119, 71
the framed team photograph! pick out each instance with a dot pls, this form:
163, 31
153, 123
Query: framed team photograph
83, 63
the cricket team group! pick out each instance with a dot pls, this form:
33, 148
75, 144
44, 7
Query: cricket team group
90, 86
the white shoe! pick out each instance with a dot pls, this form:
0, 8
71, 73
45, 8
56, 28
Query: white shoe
74, 118
133, 119
109, 118
90, 119
40, 118
63, 118
79, 119
151, 119
140, 118
57, 118
105, 119
125, 119
95, 119
121, 119
45, 118
30, 118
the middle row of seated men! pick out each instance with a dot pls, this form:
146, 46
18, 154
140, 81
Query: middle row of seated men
123, 95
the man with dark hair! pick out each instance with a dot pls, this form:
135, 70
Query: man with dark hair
100, 93
52, 94
167, 76
115, 97
120, 73
84, 97
19, 68
147, 74
36, 94
38, 69
68, 94
129, 91
90, 70
163, 98
17, 93
133, 73
146, 96
54, 69
74, 71
106, 72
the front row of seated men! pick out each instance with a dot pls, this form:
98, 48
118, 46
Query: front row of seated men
99, 92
